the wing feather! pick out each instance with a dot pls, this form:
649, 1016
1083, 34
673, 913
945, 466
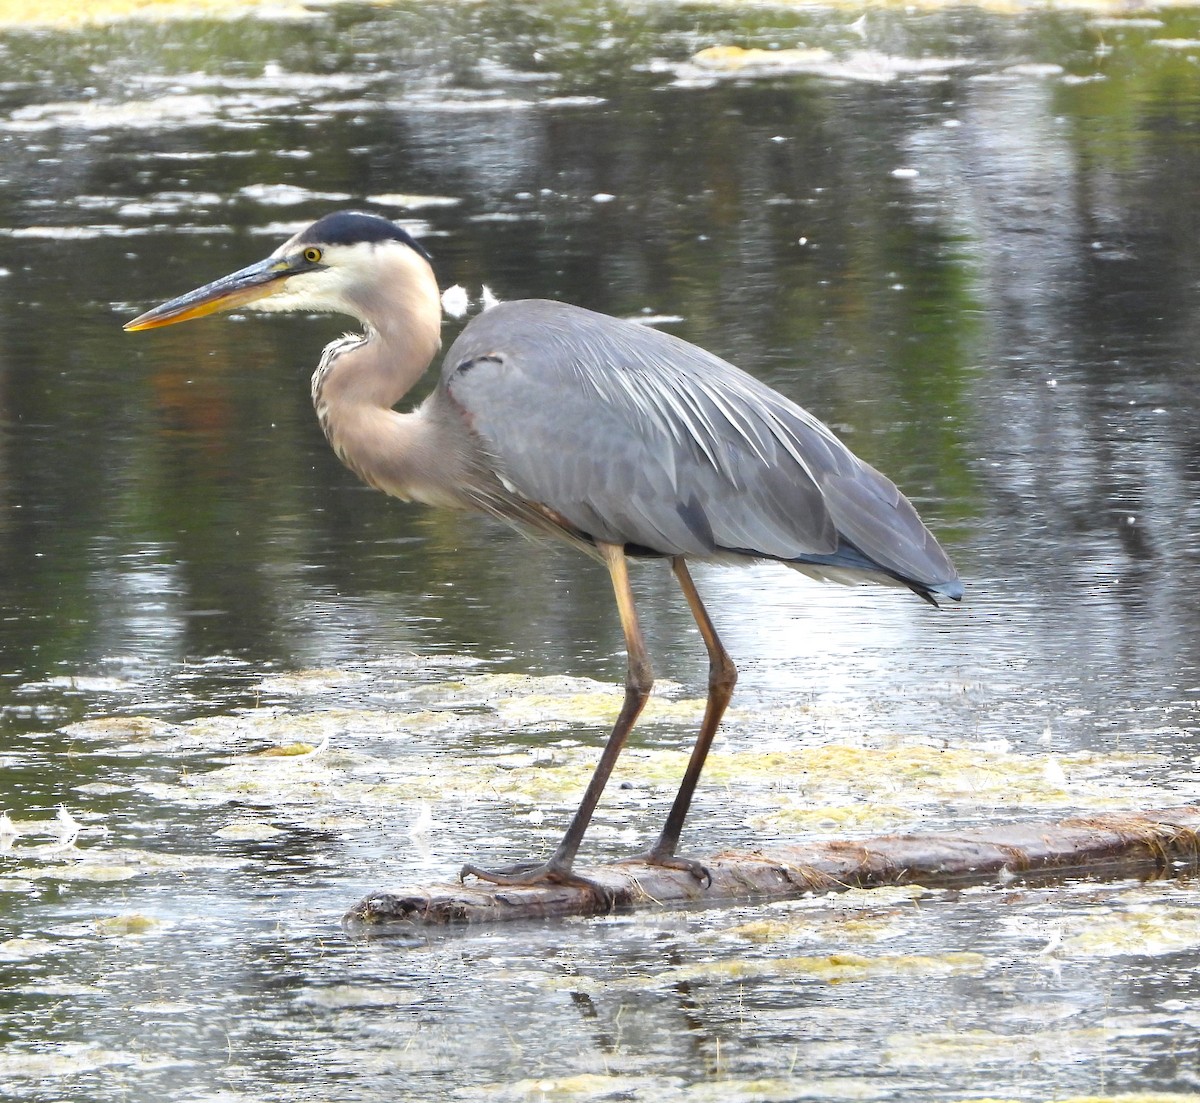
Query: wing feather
634, 436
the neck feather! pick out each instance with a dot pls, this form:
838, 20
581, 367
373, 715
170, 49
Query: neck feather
359, 381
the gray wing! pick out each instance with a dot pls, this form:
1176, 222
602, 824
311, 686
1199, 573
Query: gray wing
636, 437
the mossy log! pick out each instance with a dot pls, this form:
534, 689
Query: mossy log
1106, 846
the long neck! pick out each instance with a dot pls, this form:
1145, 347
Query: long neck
359, 381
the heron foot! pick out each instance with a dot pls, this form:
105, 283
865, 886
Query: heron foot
530, 874
672, 861
523, 873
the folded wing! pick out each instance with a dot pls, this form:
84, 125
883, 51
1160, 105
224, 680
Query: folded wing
636, 437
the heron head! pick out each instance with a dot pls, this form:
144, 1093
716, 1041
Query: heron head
341, 264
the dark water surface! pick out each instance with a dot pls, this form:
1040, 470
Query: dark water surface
966, 240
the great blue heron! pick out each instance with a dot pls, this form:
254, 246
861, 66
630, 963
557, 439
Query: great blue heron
619, 439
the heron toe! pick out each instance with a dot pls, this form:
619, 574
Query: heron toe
672, 861
530, 875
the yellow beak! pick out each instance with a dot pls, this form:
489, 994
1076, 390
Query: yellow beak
259, 280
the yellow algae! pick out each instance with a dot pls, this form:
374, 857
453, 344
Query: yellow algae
133, 923
778, 1090
823, 926
738, 57
886, 896
21, 949
1143, 931
868, 915
163, 1007
301, 682
491, 689
95, 872
424, 718
116, 727
934, 1049
322, 822
495, 690
104, 866
825, 787
592, 708
288, 750
44, 988
1133, 1097
773, 930
73, 14
313, 728
997, 7
799, 817
588, 1086
340, 996
889, 776
100, 788
65, 1060
865, 928
857, 65
830, 969
580, 1086
312, 759
1124, 1097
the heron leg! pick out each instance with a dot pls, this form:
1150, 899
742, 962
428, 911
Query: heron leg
638, 682
722, 677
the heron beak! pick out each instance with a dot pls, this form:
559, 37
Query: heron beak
245, 286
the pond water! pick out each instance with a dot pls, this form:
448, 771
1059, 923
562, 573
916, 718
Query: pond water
238, 691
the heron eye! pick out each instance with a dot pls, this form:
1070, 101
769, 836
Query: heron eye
312, 255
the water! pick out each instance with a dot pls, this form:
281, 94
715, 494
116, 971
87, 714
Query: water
965, 239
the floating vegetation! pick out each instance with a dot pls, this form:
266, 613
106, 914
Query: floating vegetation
938, 1049
100, 864
74, 14
829, 969
857, 65
134, 923
348, 995
1140, 930
337, 760
856, 915
58, 1061
22, 949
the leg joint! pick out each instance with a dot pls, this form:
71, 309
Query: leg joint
640, 679
722, 674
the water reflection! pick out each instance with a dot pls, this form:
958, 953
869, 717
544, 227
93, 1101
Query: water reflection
983, 276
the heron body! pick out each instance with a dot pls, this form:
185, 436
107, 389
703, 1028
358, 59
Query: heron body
617, 438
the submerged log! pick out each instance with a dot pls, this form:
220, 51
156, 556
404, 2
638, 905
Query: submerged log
1106, 846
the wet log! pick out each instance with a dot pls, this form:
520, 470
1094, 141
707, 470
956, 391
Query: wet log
1152, 843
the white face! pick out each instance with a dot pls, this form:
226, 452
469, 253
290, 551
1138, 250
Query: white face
341, 277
